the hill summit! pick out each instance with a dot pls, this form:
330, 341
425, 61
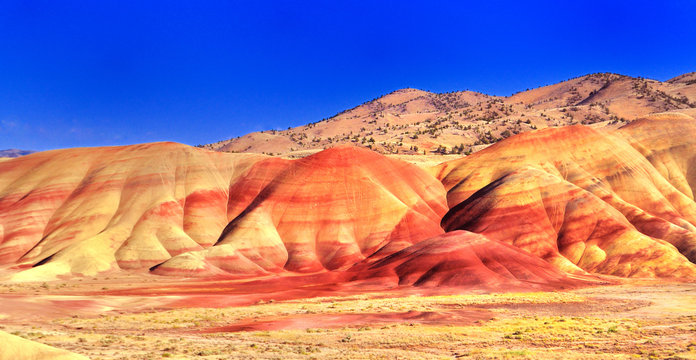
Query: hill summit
412, 121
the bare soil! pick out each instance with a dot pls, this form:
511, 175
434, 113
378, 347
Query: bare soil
115, 318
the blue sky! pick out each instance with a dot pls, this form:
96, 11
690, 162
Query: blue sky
93, 73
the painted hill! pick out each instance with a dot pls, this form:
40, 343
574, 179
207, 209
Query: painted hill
85, 211
327, 211
545, 209
586, 200
411, 121
88, 210
463, 259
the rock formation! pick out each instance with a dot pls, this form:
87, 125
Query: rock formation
84, 211
464, 259
618, 203
544, 209
327, 211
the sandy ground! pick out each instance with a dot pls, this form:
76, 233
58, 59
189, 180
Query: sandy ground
114, 318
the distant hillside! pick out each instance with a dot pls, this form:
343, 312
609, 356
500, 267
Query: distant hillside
13, 153
539, 210
411, 121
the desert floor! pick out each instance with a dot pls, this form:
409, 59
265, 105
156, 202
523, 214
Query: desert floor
104, 318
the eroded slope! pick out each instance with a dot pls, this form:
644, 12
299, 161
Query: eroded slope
586, 199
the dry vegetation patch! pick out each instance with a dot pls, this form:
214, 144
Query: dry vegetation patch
579, 324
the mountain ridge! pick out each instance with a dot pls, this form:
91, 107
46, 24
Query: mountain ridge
578, 202
13, 153
414, 121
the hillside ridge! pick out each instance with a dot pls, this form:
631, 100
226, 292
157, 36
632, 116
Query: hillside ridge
415, 121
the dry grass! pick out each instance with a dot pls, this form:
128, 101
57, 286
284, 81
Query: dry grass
523, 325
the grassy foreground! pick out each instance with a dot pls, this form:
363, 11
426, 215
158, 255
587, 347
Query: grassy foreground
607, 322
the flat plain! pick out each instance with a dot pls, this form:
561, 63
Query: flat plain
636, 319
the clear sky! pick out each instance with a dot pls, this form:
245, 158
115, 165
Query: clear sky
89, 73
